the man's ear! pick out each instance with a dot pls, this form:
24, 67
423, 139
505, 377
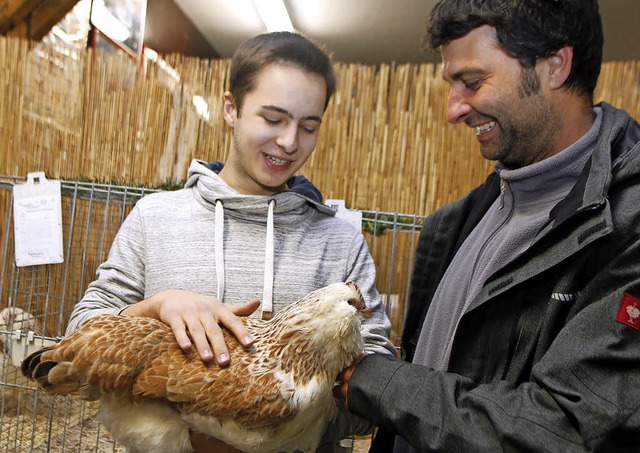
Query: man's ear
559, 66
229, 108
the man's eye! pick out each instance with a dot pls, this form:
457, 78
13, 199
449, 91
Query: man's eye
472, 85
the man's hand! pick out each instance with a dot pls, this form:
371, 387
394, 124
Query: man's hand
341, 387
200, 316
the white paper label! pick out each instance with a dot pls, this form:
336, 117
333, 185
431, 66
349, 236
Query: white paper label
354, 217
37, 221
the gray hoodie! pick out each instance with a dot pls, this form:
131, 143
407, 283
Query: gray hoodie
212, 240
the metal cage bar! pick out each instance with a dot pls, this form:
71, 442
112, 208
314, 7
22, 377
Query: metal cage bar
92, 213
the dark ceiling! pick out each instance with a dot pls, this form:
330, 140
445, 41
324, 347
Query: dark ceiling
365, 31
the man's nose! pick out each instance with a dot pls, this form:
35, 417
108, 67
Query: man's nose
457, 107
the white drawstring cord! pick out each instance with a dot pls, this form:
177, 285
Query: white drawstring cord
267, 293
219, 245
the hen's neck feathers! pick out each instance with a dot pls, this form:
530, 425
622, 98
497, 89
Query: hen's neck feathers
306, 328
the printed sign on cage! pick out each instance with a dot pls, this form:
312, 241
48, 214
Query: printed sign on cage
353, 216
37, 221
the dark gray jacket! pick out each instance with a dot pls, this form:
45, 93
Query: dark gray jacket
540, 361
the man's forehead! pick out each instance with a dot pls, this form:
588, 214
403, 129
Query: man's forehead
474, 53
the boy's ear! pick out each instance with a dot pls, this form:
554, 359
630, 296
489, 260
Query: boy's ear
229, 108
560, 66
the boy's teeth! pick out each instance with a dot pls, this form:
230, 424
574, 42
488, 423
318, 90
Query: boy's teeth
277, 161
485, 127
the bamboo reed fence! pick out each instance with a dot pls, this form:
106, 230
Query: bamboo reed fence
384, 144
79, 115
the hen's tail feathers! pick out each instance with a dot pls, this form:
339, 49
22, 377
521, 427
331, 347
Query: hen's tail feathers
50, 375
30, 362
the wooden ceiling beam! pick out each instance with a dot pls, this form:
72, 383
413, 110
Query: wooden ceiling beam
32, 19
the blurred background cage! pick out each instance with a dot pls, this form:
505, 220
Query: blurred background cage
36, 302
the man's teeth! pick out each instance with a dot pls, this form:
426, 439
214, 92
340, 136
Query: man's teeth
485, 127
277, 161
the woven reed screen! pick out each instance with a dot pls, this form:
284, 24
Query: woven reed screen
384, 145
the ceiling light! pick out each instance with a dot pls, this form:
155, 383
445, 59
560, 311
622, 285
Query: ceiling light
274, 15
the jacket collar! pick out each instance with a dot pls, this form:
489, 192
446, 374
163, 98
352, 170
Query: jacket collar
593, 184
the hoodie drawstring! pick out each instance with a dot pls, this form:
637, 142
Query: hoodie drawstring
219, 246
267, 295
267, 292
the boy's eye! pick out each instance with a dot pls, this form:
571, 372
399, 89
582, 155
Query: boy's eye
271, 120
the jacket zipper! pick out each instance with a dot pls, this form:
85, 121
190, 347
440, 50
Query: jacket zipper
503, 189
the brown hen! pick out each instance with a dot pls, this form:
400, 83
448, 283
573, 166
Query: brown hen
275, 396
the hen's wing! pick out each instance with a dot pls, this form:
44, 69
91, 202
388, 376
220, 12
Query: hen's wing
103, 357
250, 390
138, 358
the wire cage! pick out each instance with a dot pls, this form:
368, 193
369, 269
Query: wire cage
36, 302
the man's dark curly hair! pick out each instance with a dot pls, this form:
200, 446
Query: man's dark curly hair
528, 30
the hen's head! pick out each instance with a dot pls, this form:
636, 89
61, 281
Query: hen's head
339, 298
335, 302
326, 324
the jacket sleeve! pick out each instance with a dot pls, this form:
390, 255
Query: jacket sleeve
583, 394
120, 279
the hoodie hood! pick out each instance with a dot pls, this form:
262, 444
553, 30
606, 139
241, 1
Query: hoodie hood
289, 207
298, 184
209, 188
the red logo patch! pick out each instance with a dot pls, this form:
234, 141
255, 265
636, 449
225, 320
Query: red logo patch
629, 312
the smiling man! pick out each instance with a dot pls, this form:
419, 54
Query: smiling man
522, 330
246, 229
